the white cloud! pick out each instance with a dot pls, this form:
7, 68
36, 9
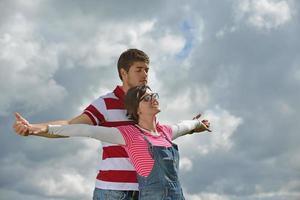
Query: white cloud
190, 100
68, 176
223, 125
171, 44
41, 42
185, 164
205, 196
265, 14
226, 30
26, 62
276, 194
27, 68
68, 184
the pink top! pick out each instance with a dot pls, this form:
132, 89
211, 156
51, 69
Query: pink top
137, 148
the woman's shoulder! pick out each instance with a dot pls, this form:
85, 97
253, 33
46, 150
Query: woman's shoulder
127, 129
165, 129
129, 133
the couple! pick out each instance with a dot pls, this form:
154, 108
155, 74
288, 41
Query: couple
147, 143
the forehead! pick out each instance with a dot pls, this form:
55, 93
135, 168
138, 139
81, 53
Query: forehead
139, 64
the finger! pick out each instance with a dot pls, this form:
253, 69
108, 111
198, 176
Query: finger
198, 116
206, 127
32, 131
21, 132
207, 124
18, 116
204, 121
25, 123
21, 129
18, 128
25, 132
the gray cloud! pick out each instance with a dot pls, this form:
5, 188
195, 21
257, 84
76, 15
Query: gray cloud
206, 56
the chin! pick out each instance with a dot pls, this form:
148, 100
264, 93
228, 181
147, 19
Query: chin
157, 110
143, 83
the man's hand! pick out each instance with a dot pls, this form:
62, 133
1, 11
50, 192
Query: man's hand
21, 125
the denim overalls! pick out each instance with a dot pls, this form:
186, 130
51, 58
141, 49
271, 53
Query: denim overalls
162, 183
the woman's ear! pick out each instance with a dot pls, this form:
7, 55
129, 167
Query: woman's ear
138, 111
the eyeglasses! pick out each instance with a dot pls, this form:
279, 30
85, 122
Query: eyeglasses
150, 97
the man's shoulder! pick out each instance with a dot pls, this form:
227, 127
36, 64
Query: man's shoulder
108, 95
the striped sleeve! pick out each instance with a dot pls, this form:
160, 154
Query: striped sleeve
93, 111
127, 133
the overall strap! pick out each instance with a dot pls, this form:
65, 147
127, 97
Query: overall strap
172, 143
163, 134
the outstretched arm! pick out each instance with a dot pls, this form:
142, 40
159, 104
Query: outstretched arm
189, 127
104, 134
24, 128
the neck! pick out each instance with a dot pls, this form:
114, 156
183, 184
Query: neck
148, 123
125, 87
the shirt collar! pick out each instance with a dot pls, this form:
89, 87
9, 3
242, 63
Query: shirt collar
119, 92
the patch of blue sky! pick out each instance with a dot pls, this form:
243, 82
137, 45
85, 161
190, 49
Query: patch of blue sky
187, 29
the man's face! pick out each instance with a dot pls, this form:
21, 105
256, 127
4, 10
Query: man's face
137, 74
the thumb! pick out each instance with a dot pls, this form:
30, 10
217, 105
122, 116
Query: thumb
207, 128
198, 116
18, 116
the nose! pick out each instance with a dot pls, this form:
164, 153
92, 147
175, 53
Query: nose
145, 73
154, 100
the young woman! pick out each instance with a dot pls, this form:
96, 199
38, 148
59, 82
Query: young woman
148, 144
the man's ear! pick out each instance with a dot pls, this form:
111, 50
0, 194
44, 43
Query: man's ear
124, 73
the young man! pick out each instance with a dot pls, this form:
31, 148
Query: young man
116, 178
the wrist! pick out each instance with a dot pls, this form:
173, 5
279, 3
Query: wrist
199, 123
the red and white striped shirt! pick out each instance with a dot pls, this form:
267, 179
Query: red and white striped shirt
137, 147
115, 169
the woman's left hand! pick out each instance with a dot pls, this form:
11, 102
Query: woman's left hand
205, 125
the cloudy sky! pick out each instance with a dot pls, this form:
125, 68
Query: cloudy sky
235, 61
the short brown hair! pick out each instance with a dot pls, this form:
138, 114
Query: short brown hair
128, 57
132, 101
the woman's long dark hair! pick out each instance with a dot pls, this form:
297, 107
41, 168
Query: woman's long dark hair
132, 100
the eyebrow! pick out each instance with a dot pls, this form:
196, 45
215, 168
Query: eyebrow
140, 67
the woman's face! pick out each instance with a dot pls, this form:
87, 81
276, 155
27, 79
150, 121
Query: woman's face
149, 104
